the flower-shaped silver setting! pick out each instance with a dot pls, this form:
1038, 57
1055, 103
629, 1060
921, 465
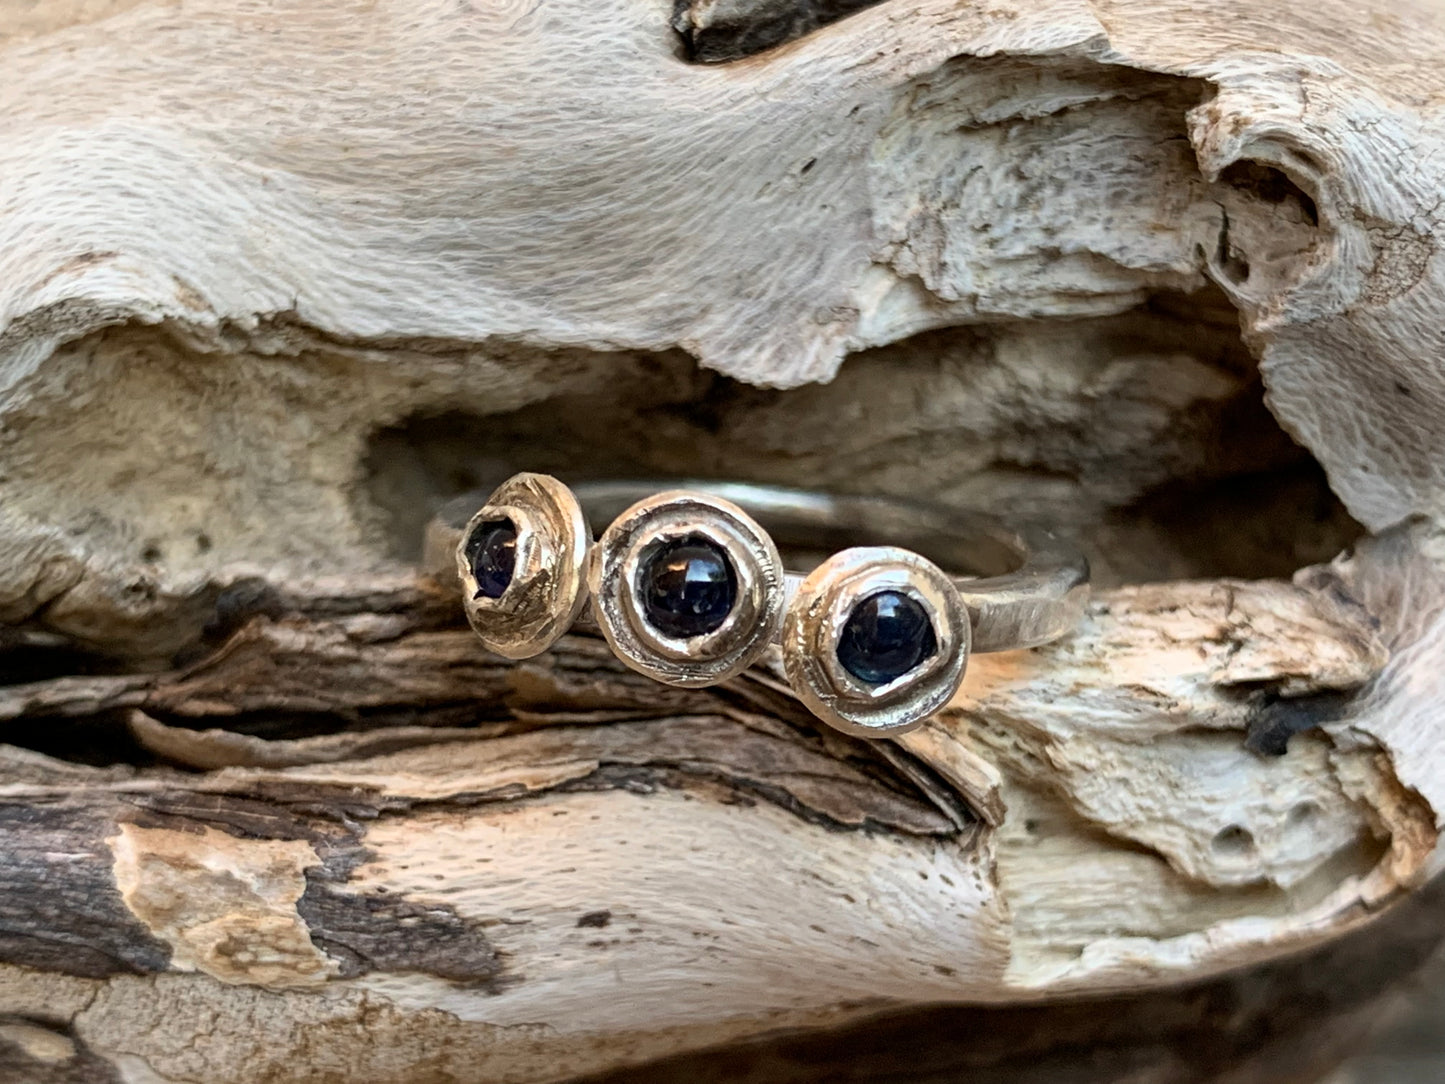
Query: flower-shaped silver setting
814, 628
547, 586
620, 561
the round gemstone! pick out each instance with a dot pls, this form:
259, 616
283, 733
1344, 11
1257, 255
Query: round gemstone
886, 636
688, 587
492, 552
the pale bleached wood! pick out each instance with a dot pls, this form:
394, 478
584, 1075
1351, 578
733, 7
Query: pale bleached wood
275, 277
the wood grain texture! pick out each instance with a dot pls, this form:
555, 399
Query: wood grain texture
278, 278
586, 845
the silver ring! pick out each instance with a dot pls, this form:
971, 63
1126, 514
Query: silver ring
689, 587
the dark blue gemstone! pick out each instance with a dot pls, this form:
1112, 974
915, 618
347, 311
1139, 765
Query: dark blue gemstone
688, 587
492, 553
886, 635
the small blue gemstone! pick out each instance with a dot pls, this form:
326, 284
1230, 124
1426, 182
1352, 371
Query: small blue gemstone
886, 636
688, 587
492, 553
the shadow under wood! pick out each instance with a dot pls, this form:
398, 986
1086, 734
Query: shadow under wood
1245, 526
22, 662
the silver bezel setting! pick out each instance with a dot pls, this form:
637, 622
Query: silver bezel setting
614, 574
813, 628
548, 587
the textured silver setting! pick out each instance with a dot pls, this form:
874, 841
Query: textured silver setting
814, 625
548, 587
614, 573
1023, 587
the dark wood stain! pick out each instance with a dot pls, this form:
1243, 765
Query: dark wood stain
370, 932
18, 1067
1277, 719
708, 39
59, 907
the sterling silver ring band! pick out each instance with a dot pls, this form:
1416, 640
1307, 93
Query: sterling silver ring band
689, 586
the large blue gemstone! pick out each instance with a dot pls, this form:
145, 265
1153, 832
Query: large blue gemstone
688, 587
492, 553
886, 636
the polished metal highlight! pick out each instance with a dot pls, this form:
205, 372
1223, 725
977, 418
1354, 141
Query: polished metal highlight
547, 589
614, 579
1004, 589
814, 627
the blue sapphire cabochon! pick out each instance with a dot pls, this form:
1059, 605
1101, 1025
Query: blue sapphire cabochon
492, 556
887, 634
688, 586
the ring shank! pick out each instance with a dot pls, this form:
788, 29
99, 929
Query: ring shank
1022, 587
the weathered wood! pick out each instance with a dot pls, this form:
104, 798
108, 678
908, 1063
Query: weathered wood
269, 870
1285, 1022
276, 280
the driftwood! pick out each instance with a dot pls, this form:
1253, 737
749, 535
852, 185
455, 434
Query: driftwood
276, 280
